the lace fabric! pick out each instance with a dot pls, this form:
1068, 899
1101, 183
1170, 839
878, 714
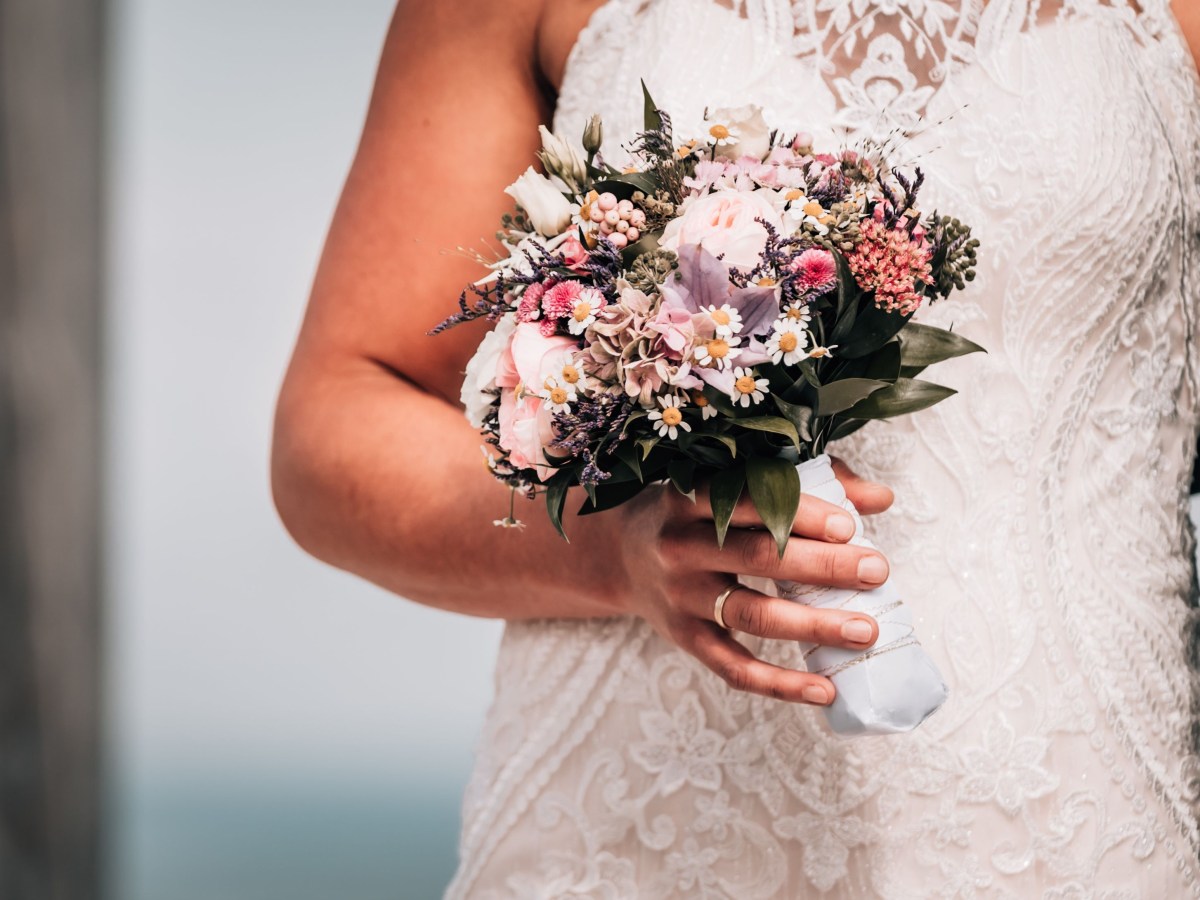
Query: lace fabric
1039, 533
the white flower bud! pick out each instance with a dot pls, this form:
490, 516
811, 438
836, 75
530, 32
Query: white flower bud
561, 159
593, 134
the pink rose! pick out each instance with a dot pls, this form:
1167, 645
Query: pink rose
723, 223
526, 430
573, 252
526, 425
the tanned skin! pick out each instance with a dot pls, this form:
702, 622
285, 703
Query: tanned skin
375, 469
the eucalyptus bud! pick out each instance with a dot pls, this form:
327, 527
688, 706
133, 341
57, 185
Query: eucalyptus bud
561, 159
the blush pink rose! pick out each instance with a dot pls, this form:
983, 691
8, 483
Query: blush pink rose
723, 222
526, 425
526, 430
573, 252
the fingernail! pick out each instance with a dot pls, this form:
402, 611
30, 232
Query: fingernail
839, 527
857, 631
872, 570
814, 693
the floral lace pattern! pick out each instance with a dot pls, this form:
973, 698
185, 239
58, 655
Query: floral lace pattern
1039, 531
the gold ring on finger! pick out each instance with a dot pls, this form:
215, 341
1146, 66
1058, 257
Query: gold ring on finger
720, 605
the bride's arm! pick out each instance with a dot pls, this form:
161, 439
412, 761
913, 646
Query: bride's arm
375, 469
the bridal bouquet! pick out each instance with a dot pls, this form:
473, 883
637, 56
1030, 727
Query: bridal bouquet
721, 311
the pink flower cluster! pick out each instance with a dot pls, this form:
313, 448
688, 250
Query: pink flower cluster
891, 262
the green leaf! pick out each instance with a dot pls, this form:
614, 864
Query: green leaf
624, 184
838, 396
925, 345
605, 496
647, 444
773, 425
556, 498
628, 454
884, 364
845, 428
775, 489
651, 120
907, 395
873, 328
633, 417
724, 491
645, 244
725, 439
800, 416
848, 296
682, 473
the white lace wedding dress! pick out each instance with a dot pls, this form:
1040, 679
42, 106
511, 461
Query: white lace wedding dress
1039, 530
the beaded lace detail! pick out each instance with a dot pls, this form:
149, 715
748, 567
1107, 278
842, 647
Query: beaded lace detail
1039, 531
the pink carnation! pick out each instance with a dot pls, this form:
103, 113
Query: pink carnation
891, 262
559, 301
530, 306
816, 270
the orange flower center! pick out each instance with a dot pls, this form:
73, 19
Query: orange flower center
672, 416
796, 313
582, 311
720, 132
558, 396
746, 384
718, 349
570, 374
787, 342
720, 316
700, 400
813, 208
765, 281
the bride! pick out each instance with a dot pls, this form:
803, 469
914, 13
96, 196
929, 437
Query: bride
634, 747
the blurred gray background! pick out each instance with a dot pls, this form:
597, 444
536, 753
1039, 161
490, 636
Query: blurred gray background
278, 730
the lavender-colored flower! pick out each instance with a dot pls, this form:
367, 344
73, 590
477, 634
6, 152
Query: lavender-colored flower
702, 281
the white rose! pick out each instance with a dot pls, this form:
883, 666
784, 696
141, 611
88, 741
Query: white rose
548, 210
723, 223
746, 123
479, 386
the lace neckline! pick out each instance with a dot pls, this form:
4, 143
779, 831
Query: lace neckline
890, 56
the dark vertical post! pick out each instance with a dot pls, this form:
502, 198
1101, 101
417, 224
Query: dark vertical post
50, 284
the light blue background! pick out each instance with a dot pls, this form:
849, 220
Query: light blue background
280, 730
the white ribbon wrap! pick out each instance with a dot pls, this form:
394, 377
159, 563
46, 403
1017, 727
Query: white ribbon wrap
893, 686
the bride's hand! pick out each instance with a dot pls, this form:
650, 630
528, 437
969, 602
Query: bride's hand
676, 572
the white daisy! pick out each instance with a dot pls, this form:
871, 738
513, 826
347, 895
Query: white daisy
726, 320
722, 134
799, 313
746, 388
801, 211
788, 342
669, 419
821, 352
558, 395
584, 314
717, 352
702, 403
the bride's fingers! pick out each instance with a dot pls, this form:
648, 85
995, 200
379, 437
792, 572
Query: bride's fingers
816, 518
750, 612
869, 497
755, 553
742, 671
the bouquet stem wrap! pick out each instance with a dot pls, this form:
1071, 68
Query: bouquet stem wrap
891, 687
